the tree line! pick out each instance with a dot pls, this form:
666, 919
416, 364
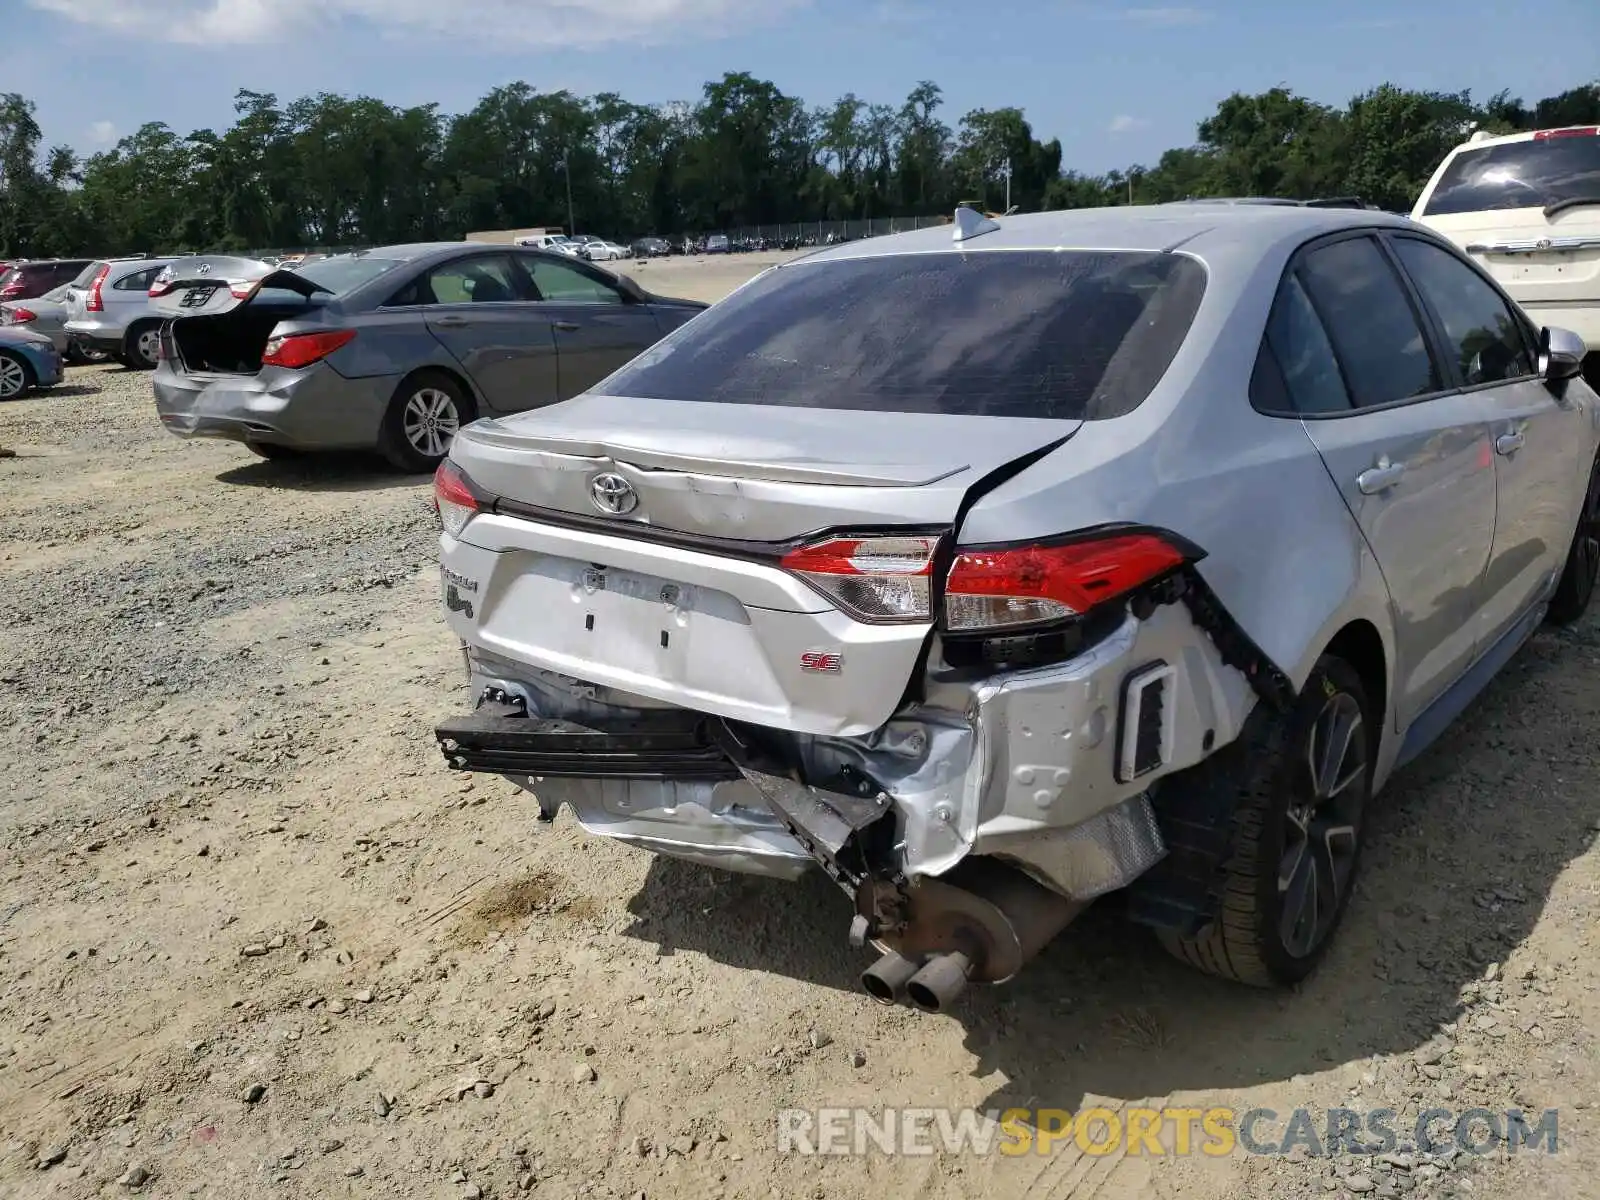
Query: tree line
337, 170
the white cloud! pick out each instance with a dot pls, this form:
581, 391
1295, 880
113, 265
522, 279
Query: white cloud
102, 133
1167, 16
1123, 123
542, 23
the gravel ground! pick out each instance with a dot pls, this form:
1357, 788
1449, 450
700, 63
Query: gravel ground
256, 941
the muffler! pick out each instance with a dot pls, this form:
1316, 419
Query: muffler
886, 979
943, 978
980, 923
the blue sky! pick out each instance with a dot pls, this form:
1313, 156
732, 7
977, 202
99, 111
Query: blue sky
1116, 82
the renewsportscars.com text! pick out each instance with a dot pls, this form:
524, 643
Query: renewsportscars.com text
1214, 1131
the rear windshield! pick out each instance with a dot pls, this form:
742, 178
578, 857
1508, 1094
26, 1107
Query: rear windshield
340, 275
86, 276
1061, 335
1532, 174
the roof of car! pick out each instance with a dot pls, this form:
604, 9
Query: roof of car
1154, 227
410, 250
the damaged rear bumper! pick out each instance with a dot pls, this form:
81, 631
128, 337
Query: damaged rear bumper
1048, 769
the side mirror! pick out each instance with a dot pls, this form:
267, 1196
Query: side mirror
1560, 354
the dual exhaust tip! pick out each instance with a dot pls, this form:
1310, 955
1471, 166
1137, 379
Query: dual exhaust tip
932, 986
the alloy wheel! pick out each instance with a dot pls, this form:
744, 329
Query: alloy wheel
1587, 547
13, 379
1321, 825
431, 420
148, 346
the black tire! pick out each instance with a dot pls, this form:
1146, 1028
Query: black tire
1254, 938
404, 440
269, 450
140, 346
17, 376
1578, 578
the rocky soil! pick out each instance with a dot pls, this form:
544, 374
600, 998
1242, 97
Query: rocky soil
255, 940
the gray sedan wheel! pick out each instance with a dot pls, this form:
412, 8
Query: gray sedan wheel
427, 412
15, 377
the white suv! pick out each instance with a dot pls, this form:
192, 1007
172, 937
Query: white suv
1527, 207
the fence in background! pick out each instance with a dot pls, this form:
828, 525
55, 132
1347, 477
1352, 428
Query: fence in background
804, 233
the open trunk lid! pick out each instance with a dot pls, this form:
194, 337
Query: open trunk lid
747, 473
209, 285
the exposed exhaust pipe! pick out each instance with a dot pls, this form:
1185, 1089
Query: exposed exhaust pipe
979, 924
886, 979
944, 977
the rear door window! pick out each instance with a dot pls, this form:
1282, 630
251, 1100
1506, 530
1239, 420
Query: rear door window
1065, 335
482, 279
1369, 318
137, 281
1488, 340
1537, 173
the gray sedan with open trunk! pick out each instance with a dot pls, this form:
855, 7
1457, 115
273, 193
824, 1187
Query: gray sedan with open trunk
395, 348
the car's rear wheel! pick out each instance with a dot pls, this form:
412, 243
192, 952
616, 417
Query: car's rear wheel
1582, 571
16, 376
428, 410
141, 348
1302, 778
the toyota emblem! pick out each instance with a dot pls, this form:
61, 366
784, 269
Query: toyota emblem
613, 495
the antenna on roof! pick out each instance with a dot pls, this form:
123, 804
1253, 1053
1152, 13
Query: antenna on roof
970, 224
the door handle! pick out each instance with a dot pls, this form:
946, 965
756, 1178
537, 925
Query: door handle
566, 326
449, 322
1508, 443
1380, 478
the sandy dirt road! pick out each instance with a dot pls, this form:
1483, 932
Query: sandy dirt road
255, 940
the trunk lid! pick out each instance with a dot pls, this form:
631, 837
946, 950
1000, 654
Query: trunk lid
716, 626
209, 285
754, 473
1538, 259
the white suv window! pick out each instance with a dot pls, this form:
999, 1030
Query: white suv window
1538, 173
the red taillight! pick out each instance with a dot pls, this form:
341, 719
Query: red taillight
303, 349
1035, 585
453, 498
871, 578
21, 316
96, 303
1578, 131
12, 290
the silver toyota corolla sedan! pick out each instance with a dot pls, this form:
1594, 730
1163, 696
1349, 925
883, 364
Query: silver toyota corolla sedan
996, 567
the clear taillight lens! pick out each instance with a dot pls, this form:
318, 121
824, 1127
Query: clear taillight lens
453, 498
875, 579
1011, 587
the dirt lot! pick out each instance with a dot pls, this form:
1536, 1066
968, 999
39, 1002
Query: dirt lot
256, 941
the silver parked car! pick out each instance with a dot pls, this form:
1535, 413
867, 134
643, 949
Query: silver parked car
48, 315
993, 568
394, 348
109, 310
